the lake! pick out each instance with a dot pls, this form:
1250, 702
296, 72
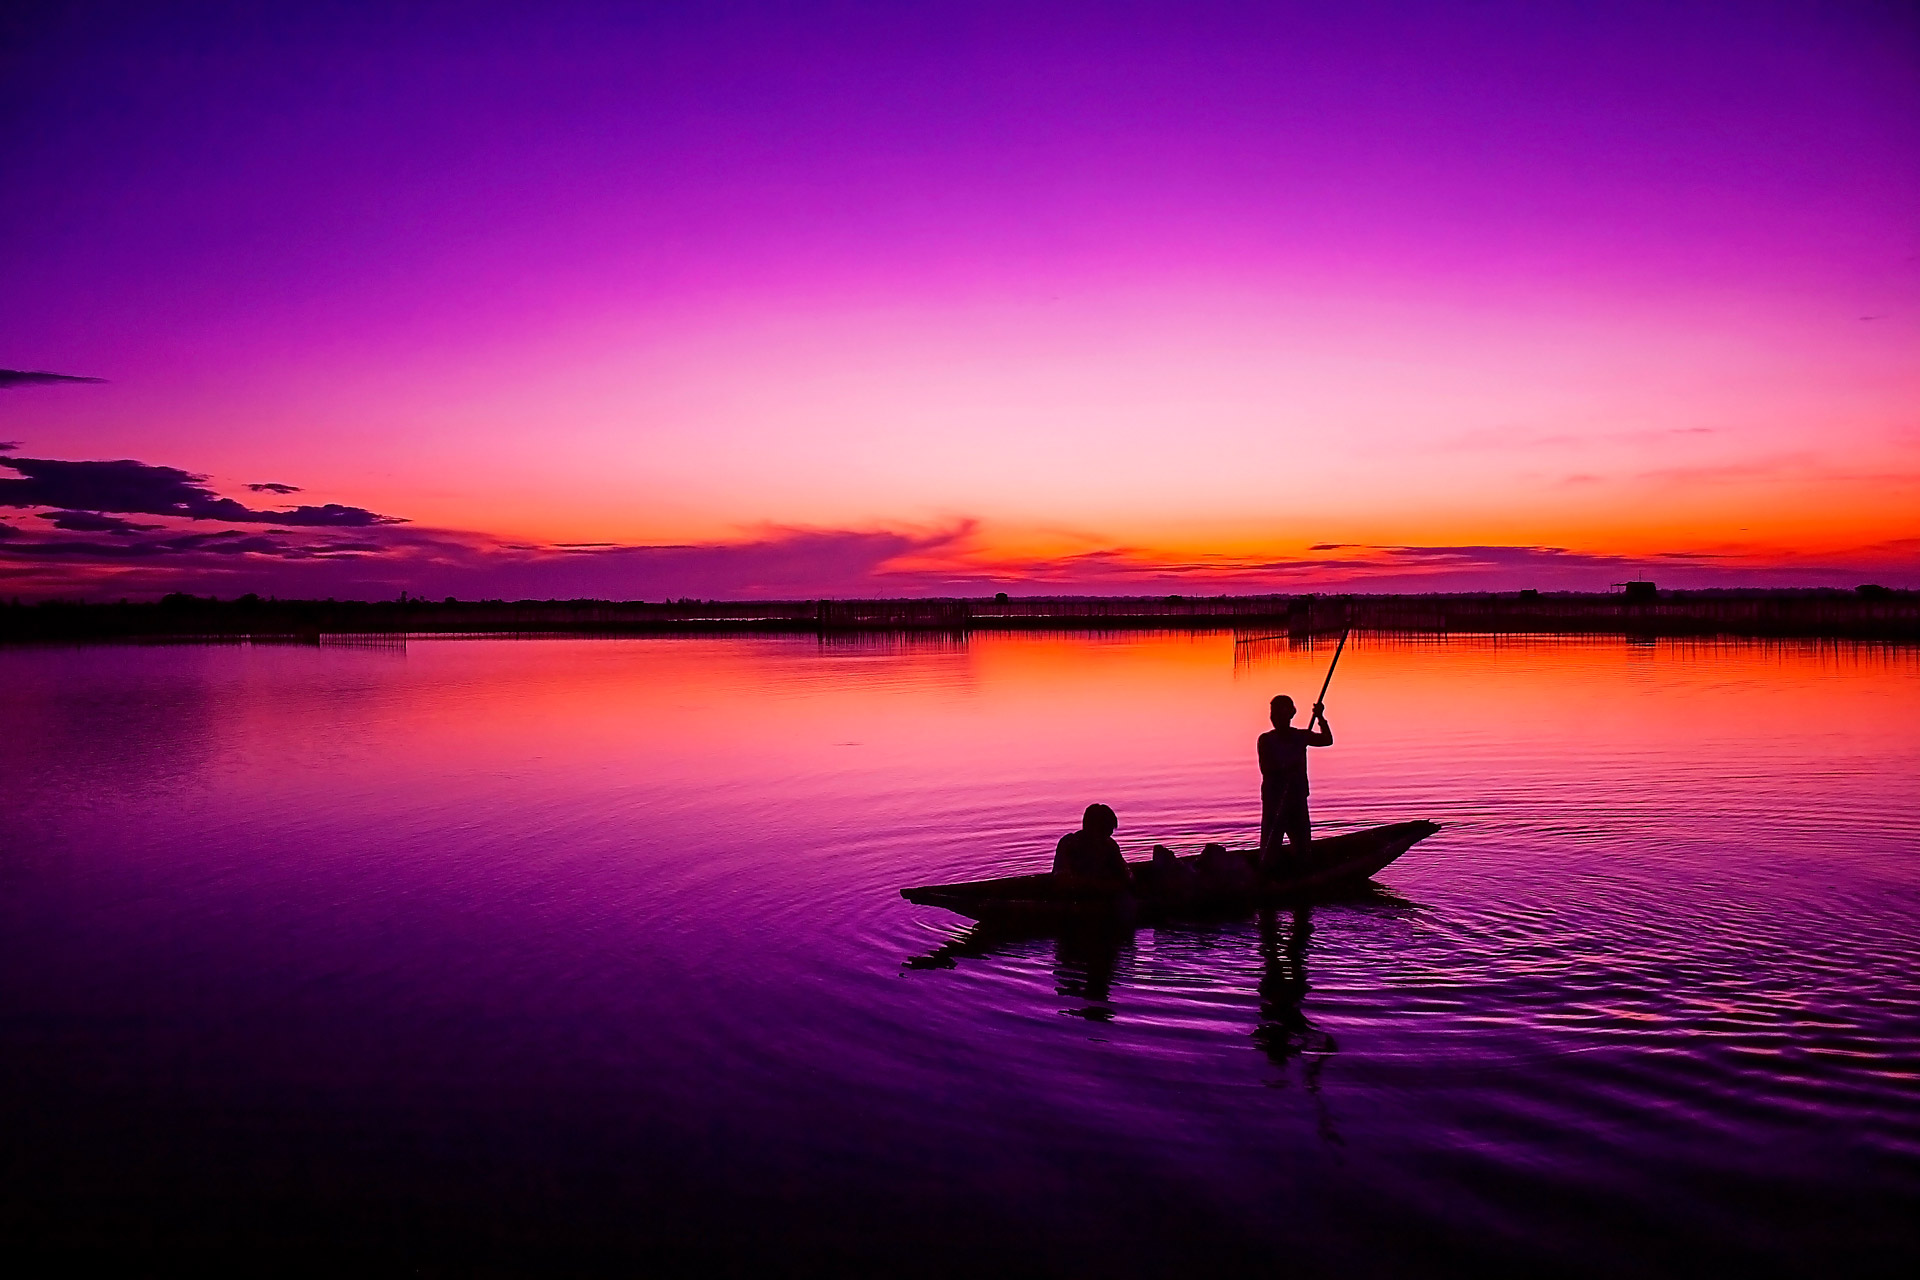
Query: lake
589, 955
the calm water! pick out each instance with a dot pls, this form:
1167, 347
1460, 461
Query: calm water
589, 954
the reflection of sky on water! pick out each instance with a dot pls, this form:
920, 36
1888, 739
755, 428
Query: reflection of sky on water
491, 941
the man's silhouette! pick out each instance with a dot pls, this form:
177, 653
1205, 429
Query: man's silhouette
1283, 778
1089, 857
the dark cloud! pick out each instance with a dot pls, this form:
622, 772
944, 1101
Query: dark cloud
311, 548
329, 515
94, 522
8, 446
37, 377
138, 488
271, 487
1479, 556
229, 542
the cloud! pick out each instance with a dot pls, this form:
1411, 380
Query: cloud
350, 553
138, 488
1714, 474
8, 446
1477, 558
271, 487
1509, 439
93, 522
776, 561
1506, 439
378, 561
1488, 555
97, 547
809, 563
37, 377
226, 542
1336, 566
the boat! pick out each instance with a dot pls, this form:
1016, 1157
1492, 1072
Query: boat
1183, 886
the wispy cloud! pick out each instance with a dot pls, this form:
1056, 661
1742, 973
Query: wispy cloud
38, 378
1715, 473
1518, 439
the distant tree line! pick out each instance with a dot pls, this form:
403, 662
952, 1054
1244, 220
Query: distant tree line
1868, 612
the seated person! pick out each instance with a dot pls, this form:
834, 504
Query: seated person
1090, 858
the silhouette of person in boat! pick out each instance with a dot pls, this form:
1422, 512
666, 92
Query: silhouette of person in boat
1090, 857
1283, 779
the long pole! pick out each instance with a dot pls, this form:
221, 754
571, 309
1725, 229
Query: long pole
1321, 700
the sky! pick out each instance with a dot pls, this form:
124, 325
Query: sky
787, 300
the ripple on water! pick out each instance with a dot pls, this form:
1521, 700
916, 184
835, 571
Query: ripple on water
1633, 1009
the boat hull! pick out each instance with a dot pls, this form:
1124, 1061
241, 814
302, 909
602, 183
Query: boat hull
1327, 867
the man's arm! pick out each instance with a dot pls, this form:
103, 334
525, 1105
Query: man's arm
1324, 738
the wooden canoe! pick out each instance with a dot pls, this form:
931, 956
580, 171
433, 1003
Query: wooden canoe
1330, 865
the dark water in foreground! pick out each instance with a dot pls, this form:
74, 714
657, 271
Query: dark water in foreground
588, 955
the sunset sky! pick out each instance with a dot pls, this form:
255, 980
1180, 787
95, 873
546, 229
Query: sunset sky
802, 299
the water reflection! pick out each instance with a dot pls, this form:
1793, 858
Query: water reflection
1285, 1032
1087, 964
600, 942
1083, 969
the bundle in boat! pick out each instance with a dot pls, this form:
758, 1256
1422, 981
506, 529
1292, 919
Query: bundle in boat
1182, 886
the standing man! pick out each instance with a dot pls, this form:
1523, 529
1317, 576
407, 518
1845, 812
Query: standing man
1283, 779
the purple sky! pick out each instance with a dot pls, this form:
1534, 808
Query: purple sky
793, 299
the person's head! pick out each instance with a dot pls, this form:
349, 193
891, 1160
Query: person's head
1100, 820
1282, 711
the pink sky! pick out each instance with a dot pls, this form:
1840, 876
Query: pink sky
1058, 303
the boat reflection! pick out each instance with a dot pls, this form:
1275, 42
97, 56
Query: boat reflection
1087, 962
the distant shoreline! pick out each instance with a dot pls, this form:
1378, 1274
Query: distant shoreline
1869, 613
